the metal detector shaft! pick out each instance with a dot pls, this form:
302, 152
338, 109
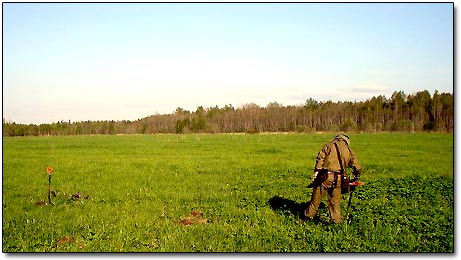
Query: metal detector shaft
352, 186
349, 204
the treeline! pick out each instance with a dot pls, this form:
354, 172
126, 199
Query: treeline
401, 112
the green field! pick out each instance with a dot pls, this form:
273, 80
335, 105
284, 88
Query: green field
138, 191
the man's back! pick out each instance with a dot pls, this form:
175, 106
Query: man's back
327, 158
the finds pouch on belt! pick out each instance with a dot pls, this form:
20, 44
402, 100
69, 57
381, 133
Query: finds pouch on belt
321, 177
344, 177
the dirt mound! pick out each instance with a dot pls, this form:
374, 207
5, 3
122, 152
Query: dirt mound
66, 240
69, 240
196, 213
40, 203
194, 217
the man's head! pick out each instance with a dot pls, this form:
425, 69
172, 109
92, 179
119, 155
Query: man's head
343, 137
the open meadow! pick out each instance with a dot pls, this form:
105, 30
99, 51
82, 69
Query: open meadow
222, 193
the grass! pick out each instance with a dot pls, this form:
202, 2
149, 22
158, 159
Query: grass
136, 189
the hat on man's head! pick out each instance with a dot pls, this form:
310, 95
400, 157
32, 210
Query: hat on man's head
343, 137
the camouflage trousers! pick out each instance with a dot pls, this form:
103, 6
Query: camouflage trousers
334, 198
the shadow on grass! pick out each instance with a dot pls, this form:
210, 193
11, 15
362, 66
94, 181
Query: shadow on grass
291, 207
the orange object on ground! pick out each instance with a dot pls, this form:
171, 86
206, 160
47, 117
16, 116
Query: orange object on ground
49, 170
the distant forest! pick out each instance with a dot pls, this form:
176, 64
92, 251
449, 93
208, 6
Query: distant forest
401, 112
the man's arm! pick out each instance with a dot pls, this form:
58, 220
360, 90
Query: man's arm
354, 163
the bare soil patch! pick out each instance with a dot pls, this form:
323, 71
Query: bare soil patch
194, 218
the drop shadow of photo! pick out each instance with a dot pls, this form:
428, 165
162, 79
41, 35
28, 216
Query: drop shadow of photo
291, 207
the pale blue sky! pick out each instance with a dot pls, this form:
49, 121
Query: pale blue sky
128, 61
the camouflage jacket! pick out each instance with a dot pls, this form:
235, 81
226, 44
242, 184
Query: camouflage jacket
327, 158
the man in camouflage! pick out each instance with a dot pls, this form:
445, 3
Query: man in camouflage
327, 176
